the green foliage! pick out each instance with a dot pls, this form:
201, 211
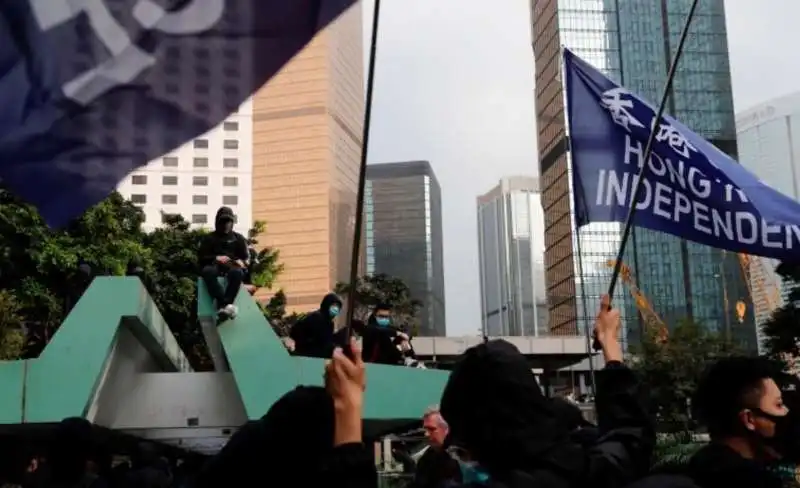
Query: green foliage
672, 368
40, 269
12, 336
781, 332
381, 288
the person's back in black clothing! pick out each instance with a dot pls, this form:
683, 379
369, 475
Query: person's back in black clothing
505, 433
148, 470
740, 403
291, 446
381, 339
223, 252
313, 335
69, 453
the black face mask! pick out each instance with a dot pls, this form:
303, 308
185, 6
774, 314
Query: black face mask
785, 440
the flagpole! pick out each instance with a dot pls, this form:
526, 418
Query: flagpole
648, 150
362, 173
578, 249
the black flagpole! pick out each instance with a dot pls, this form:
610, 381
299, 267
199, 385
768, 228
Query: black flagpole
362, 174
648, 150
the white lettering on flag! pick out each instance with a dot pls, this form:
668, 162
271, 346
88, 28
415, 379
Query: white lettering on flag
127, 61
683, 199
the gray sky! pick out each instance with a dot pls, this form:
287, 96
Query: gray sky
454, 85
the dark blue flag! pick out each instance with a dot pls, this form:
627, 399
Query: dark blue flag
691, 189
92, 89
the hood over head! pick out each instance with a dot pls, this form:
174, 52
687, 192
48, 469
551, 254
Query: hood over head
71, 447
292, 439
329, 300
224, 215
497, 411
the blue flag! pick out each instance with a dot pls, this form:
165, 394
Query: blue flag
92, 89
691, 189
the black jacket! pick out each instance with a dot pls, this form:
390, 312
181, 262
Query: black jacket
717, 465
220, 243
380, 344
434, 469
291, 446
497, 412
313, 335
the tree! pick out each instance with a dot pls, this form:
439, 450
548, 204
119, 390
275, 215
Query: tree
672, 368
780, 331
44, 270
12, 325
380, 288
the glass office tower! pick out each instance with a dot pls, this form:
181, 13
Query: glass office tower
632, 41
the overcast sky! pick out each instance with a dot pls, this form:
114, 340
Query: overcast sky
454, 86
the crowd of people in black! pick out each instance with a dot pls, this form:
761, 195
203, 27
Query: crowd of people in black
495, 428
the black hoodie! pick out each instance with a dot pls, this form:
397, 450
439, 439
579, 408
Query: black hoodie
380, 344
497, 412
221, 243
291, 446
313, 335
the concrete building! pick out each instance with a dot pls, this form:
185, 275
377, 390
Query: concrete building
511, 259
768, 137
307, 126
632, 43
403, 234
194, 180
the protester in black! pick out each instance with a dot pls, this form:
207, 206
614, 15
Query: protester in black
382, 340
505, 433
313, 335
742, 406
223, 252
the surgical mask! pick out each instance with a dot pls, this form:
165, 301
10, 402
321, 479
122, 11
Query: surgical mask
471, 473
783, 440
333, 311
383, 321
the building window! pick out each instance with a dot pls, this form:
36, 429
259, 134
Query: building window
169, 180
230, 199
230, 144
169, 162
200, 181
230, 181
169, 199
166, 216
199, 218
230, 163
139, 199
230, 126
200, 162
199, 199
201, 143
139, 180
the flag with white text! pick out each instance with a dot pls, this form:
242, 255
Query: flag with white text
691, 189
92, 89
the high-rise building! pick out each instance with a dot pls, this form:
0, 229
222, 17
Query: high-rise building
633, 42
768, 136
202, 175
403, 233
307, 127
511, 259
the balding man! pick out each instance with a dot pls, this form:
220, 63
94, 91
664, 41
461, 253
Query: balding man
435, 467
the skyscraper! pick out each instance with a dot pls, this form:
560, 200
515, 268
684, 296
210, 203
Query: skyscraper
403, 233
769, 146
307, 125
511, 259
633, 43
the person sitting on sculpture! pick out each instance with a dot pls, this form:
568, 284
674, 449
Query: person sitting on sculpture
313, 335
383, 342
223, 253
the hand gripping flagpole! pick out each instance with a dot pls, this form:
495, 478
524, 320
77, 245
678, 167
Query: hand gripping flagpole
648, 150
362, 175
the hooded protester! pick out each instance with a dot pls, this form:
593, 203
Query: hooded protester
223, 253
505, 433
313, 335
292, 445
381, 339
70, 451
742, 406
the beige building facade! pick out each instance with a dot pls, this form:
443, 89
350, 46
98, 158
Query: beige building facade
307, 130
